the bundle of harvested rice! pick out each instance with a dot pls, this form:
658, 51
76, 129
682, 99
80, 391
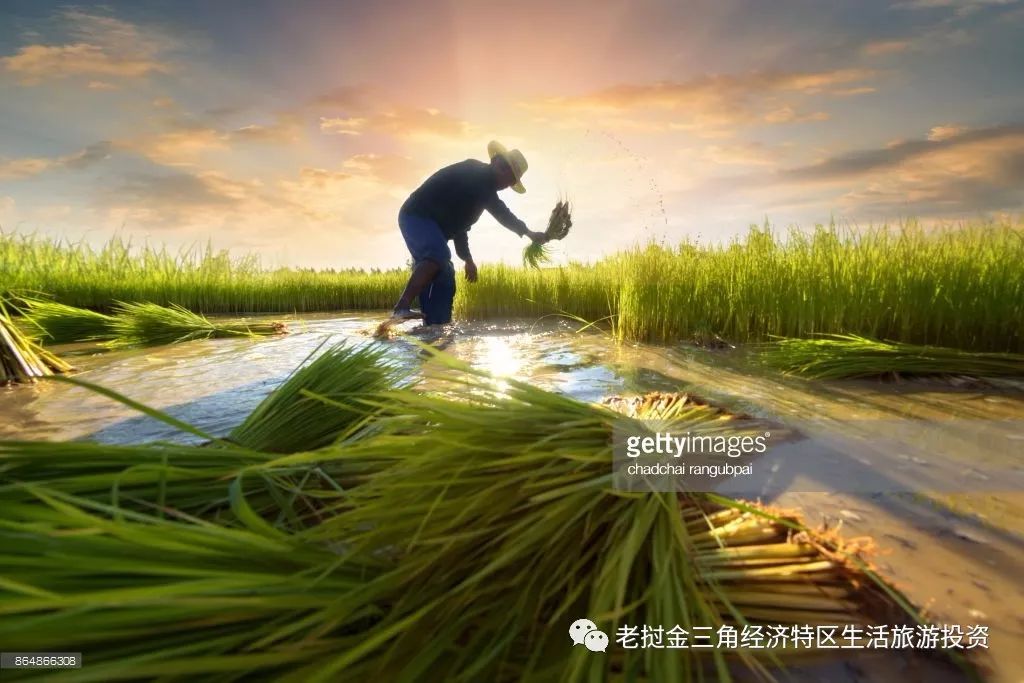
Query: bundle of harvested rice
21, 358
559, 223
849, 356
59, 323
145, 324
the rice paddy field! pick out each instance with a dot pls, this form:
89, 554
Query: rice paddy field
239, 482
959, 287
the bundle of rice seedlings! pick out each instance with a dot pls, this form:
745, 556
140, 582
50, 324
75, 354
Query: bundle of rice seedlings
321, 400
558, 227
59, 324
21, 358
483, 522
146, 324
169, 599
849, 356
497, 512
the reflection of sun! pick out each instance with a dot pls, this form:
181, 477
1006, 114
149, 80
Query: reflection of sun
500, 356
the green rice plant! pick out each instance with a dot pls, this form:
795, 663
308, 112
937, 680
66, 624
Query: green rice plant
481, 522
535, 254
846, 356
200, 279
146, 324
174, 599
508, 529
60, 324
22, 359
959, 286
321, 400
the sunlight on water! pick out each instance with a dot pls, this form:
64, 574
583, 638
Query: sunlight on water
501, 356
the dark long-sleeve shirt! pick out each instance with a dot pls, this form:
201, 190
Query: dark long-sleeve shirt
456, 196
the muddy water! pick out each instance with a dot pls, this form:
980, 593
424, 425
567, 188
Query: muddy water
950, 538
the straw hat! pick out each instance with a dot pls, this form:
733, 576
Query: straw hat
515, 160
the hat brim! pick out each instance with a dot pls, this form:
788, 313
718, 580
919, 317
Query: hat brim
496, 149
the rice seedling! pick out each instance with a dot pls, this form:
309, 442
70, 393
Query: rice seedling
173, 599
146, 324
320, 400
493, 488
61, 324
22, 359
559, 223
955, 286
849, 356
444, 556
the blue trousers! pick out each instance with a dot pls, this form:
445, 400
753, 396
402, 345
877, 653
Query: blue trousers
426, 242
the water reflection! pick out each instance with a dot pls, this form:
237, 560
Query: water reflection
214, 384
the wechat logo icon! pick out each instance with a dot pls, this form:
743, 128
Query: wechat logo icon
584, 632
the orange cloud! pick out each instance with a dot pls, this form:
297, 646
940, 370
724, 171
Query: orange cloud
35, 63
99, 46
285, 129
356, 110
879, 48
952, 171
710, 104
178, 147
16, 169
740, 154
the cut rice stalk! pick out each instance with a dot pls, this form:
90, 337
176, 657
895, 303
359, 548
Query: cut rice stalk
21, 358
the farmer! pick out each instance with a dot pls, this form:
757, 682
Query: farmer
444, 208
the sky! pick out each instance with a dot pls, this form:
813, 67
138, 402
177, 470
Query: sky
296, 129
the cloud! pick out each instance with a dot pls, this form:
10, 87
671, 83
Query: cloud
863, 162
35, 63
96, 46
355, 110
172, 199
286, 128
950, 172
16, 169
878, 48
739, 154
321, 178
391, 169
180, 146
712, 103
178, 190
962, 7
946, 132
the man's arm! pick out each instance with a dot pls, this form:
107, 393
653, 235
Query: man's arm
461, 242
504, 215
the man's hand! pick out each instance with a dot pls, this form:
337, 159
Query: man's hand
471, 271
537, 237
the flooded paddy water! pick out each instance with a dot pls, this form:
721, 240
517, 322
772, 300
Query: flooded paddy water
948, 526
